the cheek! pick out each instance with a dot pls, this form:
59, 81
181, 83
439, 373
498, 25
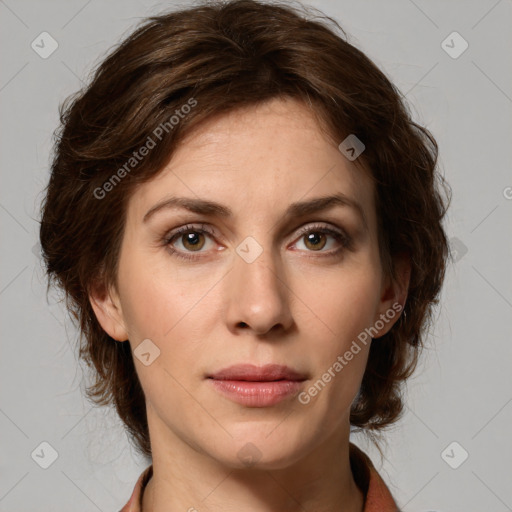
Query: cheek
345, 304
343, 301
170, 309
156, 298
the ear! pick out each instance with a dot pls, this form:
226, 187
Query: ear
107, 308
393, 295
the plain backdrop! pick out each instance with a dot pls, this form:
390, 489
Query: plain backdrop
461, 392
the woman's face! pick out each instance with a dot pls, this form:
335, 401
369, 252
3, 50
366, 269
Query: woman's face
257, 280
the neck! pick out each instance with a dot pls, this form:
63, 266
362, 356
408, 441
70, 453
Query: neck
186, 480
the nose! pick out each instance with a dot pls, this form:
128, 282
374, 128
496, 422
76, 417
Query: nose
258, 295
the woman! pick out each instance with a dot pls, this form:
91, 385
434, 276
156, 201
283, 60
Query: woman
247, 225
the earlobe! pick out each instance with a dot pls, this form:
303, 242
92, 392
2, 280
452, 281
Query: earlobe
394, 293
107, 308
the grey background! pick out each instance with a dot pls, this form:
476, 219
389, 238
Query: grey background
462, 390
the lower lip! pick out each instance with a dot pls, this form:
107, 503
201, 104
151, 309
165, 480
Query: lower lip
257, 394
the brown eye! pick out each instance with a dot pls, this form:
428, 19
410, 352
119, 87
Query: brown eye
193, 240
315, 240
187, 240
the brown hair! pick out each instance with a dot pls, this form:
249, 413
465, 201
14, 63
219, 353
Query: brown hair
223, 56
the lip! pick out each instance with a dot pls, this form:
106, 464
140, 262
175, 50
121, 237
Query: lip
257, 386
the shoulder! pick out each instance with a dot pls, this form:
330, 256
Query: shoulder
134, 504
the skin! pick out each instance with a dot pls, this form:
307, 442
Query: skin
295, 305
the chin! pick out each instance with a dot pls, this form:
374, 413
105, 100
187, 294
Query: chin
262, 447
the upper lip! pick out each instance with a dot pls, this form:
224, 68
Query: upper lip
250, 372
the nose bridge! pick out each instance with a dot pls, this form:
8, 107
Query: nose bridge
259, 296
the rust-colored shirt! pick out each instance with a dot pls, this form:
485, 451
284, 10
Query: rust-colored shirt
377, 495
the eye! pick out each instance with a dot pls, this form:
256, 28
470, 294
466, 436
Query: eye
315, 238
192, 240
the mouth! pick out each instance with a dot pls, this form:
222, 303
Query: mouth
252, 373
255, 386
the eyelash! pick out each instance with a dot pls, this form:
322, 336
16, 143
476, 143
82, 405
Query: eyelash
339, 236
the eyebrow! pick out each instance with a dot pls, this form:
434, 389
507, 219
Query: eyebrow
297, 209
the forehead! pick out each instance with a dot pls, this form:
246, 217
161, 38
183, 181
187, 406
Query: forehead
257, 160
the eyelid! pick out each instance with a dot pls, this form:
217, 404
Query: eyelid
186, 228
306, 228
317, 226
